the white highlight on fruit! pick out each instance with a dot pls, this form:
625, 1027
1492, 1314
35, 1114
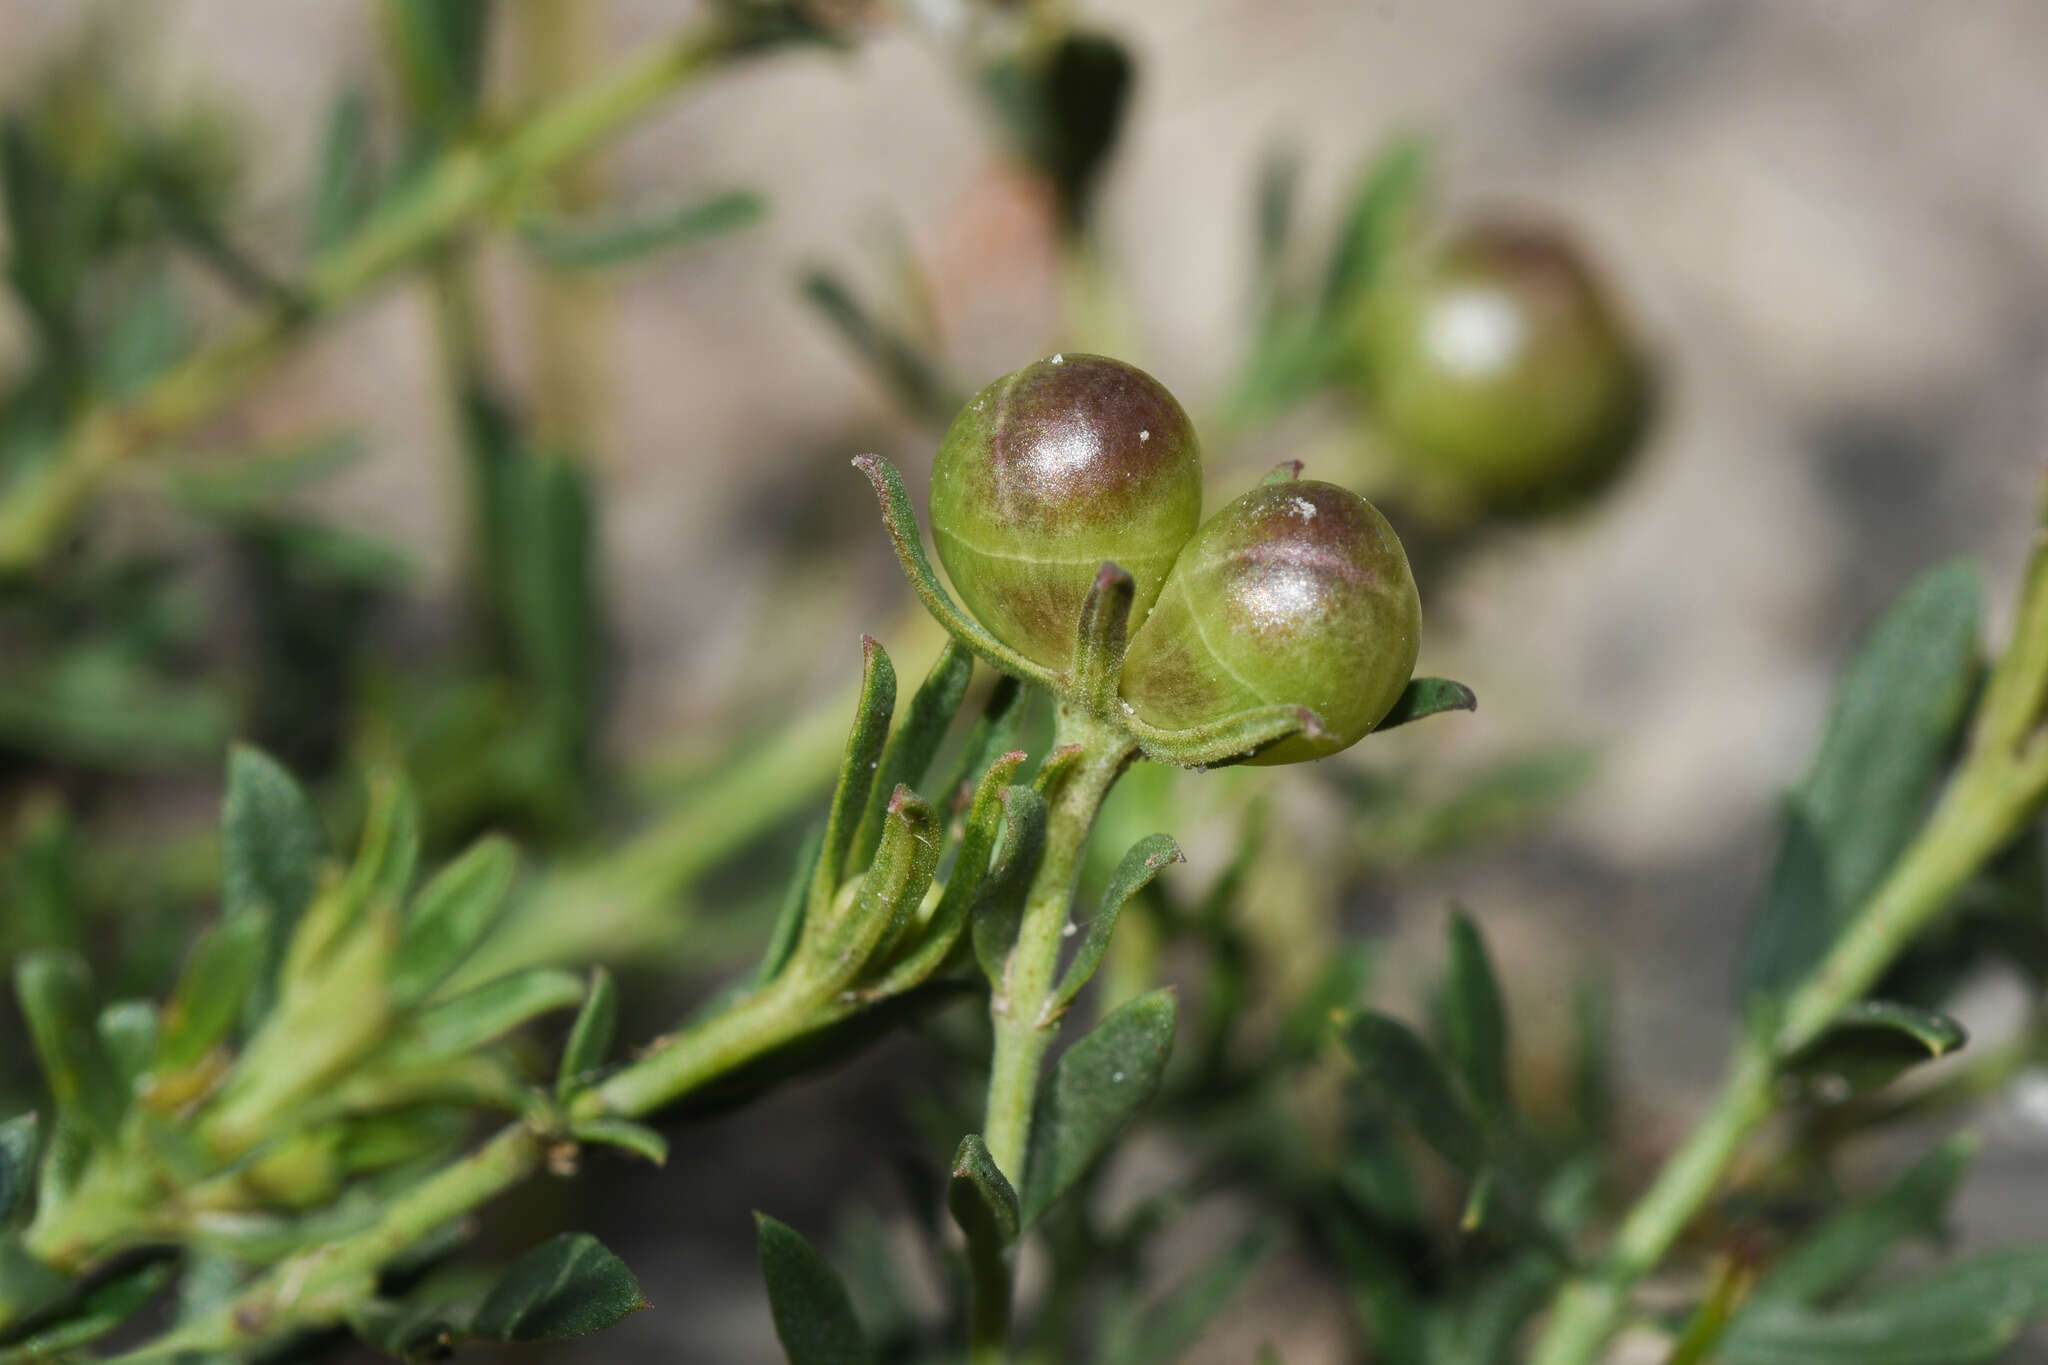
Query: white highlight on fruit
1058, 358
1144, 435
1474, 332
1304, 509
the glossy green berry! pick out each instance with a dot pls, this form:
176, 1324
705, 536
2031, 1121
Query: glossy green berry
1298, 593
1050, 471
1501, 370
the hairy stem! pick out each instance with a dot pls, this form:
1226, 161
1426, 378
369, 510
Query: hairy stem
1018, 1006
464, 185
1986, 805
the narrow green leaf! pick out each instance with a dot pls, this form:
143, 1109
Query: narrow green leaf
1962, 1314
271, 844
813, 1313
450, 916
1179, 1319
912, 745
128, 1032
1093, 1093
1853, 1240
440, 46
899, 518
999, 907
1426, 697
1896, 712
1869, 1044
984, 1205
636, 1138
469, 1020
1475, 1021
55, 991
789, 920
346, 188
864, 745
905, 368
390, 850
217, 978
993, 734
892, 890
1398, 1072
590, 1037
1229, 740
569, 1286
103, 1309
17, 1162
1099, 645
589, 244
1383, 208
1139, 866
981, 1198
1278, 185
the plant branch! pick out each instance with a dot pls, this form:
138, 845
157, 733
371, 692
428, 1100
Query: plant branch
2001, 785
1020, 1004
464, 185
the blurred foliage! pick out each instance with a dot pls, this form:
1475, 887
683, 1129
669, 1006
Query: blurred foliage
1440, 1161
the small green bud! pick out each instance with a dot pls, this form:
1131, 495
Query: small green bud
1296, 594
1050, 471
1498, 365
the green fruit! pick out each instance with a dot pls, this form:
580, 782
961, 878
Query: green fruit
1047, 473
1497, 364
1298, 593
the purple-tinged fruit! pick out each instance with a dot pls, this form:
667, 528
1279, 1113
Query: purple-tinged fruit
1047, 473
1298, 593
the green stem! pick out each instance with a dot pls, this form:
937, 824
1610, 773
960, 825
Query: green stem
1984, 808
464, 185
315, 1288
675, 1066
1023, 1028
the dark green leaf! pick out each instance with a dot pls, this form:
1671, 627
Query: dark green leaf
1063, 106
1139, 866
856, 774
981, 1198
450, 916
590, 1037
569, 1286
813, 1314
1869, 1044
17, 1162
912, 745
999, 908
271, 844
586, 245
469, 1020
1096, 1089
106, 1307
1960, 1315
1852, 1241
636, 1138
1398, 1072
55, 990
1279, 180
1475, 1022
1896, 712
993, 734
1425, 697
984, 1205
217, 979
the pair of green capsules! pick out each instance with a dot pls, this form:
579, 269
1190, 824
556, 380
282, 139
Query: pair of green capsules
1298, 593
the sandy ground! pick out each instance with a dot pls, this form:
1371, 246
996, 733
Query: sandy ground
1829, 215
